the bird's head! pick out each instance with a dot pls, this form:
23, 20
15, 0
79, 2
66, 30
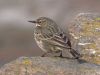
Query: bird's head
42, 22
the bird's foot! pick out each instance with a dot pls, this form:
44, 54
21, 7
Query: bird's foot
43, 55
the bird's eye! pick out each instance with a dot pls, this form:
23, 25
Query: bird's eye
39, 21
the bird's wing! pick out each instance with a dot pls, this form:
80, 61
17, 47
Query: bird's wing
61, 40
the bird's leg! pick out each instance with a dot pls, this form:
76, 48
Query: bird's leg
43, 55
61, 54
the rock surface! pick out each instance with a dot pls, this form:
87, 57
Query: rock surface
85, 36
49, 66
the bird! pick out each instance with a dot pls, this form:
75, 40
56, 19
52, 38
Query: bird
51, 38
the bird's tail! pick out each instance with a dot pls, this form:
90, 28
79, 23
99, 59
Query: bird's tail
75, 54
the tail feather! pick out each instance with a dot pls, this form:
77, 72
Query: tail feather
75, 53
72, 51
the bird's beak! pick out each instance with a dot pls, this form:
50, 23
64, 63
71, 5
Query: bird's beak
35, 23
32, 21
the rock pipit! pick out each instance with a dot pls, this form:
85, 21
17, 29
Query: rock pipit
51, 38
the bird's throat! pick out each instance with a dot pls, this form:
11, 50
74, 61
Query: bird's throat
37, 25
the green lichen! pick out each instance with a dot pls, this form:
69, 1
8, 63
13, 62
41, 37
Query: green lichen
26, 61
98, 18
89, 29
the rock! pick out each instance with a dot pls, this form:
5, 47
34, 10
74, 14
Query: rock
85, 36
49, 66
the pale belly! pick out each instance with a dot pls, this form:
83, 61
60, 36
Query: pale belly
47, 47
40, 44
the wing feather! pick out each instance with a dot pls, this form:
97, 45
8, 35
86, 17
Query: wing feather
58, 39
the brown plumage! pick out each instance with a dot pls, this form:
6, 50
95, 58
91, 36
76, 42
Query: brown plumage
51, 38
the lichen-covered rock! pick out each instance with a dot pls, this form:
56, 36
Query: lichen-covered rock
85, 32
49, 66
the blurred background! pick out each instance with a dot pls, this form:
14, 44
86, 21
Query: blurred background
16, 34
